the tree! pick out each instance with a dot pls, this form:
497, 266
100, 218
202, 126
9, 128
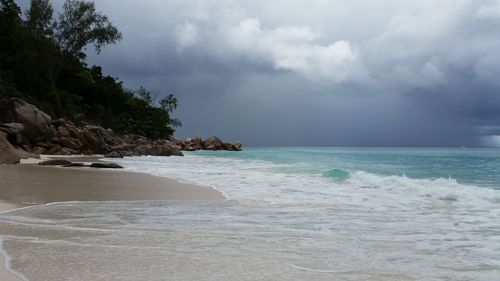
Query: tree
10, 39
169, 104
39, 18
10, 8
80, 25
175, 123
42, 61
10, 22
145, 95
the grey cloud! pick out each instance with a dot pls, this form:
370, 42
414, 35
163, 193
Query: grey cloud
388, 73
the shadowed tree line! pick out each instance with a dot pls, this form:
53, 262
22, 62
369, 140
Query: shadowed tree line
42, 60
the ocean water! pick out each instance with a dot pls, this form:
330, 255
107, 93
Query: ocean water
293, 214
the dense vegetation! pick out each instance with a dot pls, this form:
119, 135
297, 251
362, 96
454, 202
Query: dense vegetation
42, 60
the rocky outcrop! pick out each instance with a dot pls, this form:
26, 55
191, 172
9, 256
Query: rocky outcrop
237, 146
12, 128
13, 131
212, 143
8, 153
26, 132
113, 154
36, 123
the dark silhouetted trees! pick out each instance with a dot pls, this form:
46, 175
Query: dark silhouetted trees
42, 61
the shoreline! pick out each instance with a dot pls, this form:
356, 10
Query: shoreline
30, 184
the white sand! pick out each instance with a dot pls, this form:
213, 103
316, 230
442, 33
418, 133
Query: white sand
34, 184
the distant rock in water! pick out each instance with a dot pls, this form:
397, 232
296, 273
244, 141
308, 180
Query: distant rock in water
27, 132
211, 143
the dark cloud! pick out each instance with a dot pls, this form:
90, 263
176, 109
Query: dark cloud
406, 73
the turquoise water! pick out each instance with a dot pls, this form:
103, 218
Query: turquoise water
480, 167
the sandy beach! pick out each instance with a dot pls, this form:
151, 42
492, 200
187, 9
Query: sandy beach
22, 185
6, 275
33, 184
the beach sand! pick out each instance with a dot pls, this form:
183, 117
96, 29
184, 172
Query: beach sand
33, 184
6, 275
22, 185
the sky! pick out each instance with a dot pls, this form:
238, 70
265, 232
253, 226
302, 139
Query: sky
316, 72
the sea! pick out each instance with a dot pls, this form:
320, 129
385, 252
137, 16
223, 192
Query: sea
291, 214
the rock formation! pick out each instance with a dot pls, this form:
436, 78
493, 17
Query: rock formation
212, 143
36, 124
26, 131
8, 153
55, 162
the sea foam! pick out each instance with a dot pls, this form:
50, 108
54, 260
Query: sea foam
265, 181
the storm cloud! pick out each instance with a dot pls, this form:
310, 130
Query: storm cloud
317, 72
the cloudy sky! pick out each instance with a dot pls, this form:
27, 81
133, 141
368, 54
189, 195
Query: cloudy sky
317, 72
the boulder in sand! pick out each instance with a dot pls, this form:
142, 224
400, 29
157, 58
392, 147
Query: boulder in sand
106, 165
37, 124
8, 154
12, 128
55, 162
75, 165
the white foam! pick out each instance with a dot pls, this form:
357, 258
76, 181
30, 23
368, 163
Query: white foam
255, 180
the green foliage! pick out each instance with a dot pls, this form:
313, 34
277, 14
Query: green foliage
79, 25
169, 104
10, 28
39, 18
10, 8
41, 61
7, 90
145, 95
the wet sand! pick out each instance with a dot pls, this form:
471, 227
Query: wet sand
22, 185
33, 184
6, 275
5, 206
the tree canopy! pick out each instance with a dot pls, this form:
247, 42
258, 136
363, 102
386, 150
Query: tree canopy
42, 60
39, 18
80, 25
